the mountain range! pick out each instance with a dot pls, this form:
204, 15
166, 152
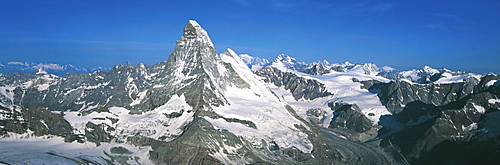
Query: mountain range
200, 107
58, 69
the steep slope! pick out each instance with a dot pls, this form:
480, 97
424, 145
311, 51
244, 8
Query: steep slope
235, 112
195, 73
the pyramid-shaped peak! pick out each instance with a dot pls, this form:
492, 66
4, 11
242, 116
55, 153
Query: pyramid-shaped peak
193, 22
193, 30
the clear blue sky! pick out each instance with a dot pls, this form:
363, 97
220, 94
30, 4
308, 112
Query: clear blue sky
456, 34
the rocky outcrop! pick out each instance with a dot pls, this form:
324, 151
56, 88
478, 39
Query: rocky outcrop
397, 94
35, 122
81, 91
440, 117
316, 69
301, 88
349, 116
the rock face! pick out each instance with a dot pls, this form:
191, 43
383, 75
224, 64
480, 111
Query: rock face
36, 121
316, 69
300, 88
349, 117
437, 117
189, 71
396, 95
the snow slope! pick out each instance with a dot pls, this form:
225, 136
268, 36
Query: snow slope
258, 104
345, 87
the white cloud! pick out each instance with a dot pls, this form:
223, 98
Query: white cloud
48, 66
18, 63
44, 66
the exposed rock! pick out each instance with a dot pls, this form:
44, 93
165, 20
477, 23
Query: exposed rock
38, 120
316, 69
396, 95
98, 133
440, 117
300, 87
349, 116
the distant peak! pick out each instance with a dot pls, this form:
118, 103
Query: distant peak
284, 61
284, 58
245, 55
324, 62
40, 71
427, 67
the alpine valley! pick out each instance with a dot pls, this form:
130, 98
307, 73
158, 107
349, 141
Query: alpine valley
200, 107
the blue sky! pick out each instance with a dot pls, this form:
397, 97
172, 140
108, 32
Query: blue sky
456, 34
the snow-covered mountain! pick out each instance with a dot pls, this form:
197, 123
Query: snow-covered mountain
29, 67
196, 103
254, 63
199, 107
423, 75
427, 75
379, 104
286, 62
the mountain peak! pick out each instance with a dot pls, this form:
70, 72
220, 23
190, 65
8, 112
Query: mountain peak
284, 61
284, 57
193, 30
40, 71
229, 50
429, 70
